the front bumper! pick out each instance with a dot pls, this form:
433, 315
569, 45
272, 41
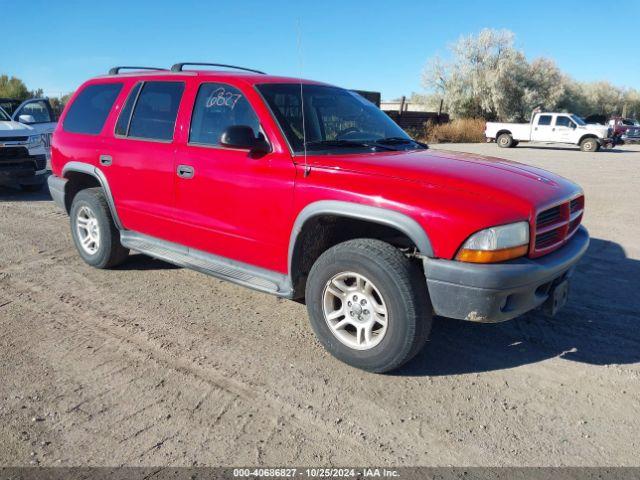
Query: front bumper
609, 142
629, 140
24, 169
500, 291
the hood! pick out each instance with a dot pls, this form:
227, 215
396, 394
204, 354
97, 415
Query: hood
485, 177
602, 130
11, 129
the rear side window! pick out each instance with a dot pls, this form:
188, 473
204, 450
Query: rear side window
90, 109
218, 107
544, 120
155, 111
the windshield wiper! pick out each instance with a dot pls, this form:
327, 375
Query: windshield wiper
348, 144
400, 141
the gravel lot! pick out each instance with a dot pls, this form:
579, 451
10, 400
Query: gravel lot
151, 364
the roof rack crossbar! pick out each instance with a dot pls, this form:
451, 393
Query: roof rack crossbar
179, 66
116, 70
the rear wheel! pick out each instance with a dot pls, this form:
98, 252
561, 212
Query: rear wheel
589, 145
368, 304
505, 140
94, 233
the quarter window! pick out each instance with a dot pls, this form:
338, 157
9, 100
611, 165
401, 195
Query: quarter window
219, 106
155, 111
544, 120
122, 127
91, 107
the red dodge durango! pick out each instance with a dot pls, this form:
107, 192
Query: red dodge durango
309, 192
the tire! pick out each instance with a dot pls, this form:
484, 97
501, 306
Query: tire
515, 143
103, 248
505, 140
35, 187
392, 283
589, 145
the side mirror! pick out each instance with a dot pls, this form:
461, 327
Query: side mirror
238, 136
243, 137
26, 119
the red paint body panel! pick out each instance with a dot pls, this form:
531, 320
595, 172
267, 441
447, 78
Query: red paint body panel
244, 208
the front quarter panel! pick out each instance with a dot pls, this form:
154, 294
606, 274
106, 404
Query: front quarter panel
448, 216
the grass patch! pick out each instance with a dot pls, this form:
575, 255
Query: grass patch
461, 130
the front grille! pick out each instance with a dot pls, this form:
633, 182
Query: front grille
13, 139
547, 239
11, 153
548, 217
40, 161
555, 225
576, 204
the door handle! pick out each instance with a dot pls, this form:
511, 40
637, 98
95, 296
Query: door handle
553, 129
185, 171
106, 160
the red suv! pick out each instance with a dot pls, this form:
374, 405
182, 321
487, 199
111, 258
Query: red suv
309, 192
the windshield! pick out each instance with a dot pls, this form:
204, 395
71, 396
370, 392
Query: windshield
334, 119
578, 120
3, 116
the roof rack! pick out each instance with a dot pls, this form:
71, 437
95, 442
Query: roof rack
179, 66
116, 70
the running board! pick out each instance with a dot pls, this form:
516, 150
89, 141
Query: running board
226, 269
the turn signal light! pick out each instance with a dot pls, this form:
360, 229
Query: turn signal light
491, 256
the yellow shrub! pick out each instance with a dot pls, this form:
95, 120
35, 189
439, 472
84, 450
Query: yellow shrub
461, 130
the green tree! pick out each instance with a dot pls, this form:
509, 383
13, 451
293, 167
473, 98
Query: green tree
12, 87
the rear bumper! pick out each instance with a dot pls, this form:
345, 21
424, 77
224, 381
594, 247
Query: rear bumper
501, 291
56, 189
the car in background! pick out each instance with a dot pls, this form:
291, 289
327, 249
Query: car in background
627, 129
22, 155
551, 128
35, 112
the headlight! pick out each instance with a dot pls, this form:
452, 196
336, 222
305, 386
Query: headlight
496, 244
35, 140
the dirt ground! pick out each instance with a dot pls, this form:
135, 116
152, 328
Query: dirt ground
151, 364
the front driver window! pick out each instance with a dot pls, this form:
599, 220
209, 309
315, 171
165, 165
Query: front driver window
562, 121
219, 106
38, 110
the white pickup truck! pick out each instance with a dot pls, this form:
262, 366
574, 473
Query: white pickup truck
551, 128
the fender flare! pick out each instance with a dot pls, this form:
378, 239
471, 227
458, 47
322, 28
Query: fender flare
590, 135
383, 216
95, 172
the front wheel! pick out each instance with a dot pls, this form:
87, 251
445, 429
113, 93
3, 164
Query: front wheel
589, 145
368, 304
505, 140
94, 233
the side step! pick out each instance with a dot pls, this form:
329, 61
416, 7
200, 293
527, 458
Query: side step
220, 267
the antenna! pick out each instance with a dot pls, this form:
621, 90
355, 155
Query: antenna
307, 169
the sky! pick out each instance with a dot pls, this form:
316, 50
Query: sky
370, 45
